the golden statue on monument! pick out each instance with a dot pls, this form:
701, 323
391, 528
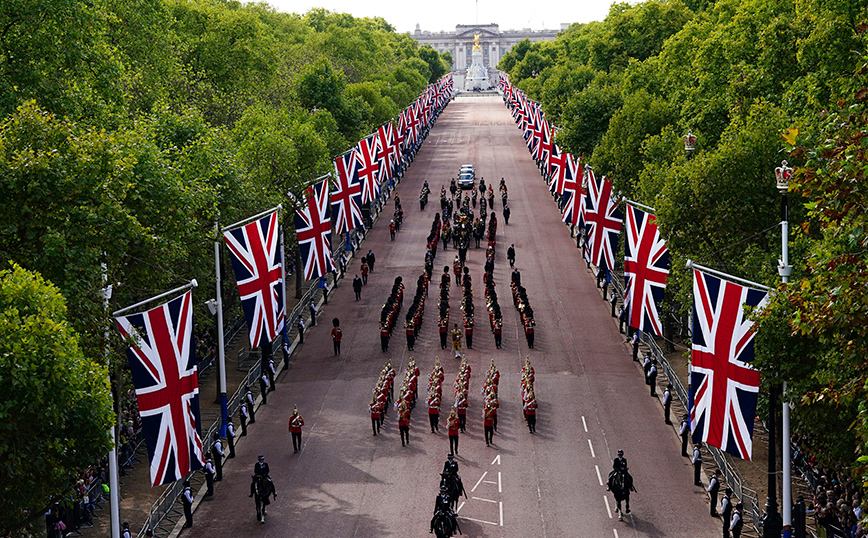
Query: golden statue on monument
476, 46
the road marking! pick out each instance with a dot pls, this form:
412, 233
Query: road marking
592, 448
616, 532
489, 482
585, 424
608, 510
480, 481
600, 478
481, 499
501, 514
499, 487
478, 520
496, 460
459, 507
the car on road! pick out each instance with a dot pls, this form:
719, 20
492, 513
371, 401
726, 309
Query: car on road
466, 176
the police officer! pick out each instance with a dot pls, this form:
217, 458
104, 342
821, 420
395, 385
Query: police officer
209, 475
620, 462
263, 386
684, 431
261, 467
244, 416
251, 405
230, 439
217, 454
125, 531
713, 490
726, 511
271, 371
697, 464
441, 504
667, 403
450, 465
652, 377
187, 500
737, 523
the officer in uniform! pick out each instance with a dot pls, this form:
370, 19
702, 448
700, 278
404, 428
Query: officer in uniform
652, 377
271, 371
684, 431
713, 490
295, 424
667, 403
434, 411
620, 462
261, 467
263, 387
697, 464
251, 405
726, 511
737, 523
450, 466
187, 500
453, 424
209, 475
230, 438
217, 454
441, 504
244, 415
456, 341
510, 255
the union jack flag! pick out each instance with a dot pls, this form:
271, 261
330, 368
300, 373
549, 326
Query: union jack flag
574, 192
603, 222
387, 153
723, 385
163, 367
369, 168
347, 195
256, 260
646, 266
313, 226
558, 170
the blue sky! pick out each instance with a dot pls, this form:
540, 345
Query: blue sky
445, 14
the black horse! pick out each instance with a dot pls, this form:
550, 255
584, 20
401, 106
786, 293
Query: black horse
454, 488
620, 483
444, 524
261, 488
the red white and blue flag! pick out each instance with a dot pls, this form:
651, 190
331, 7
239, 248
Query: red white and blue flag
603, 222
257, 261
723, 384
369, 168
574, 192
346, 196
558, 170
387, 153
163, 367
313, 227
646, 267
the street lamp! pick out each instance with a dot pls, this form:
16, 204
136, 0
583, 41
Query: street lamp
783, 175
689, 143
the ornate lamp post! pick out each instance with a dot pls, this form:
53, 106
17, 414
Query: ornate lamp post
783, 175
689, 144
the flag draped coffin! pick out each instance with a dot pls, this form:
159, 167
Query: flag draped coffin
723, 384
313, 227
646, 267
163, 367
257, 261
346, 197
603, 222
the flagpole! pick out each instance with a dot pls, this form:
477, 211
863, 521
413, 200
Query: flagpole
285, 331
185, 287
783, 175
640, 206
221, 352
250, 219
114, 496
691, 265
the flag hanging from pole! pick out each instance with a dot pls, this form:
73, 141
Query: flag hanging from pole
603, 221
646, 267
313, 227
163, 367
346, 197
258, 265
723, 384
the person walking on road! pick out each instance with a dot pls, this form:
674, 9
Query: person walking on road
506, 213
453, 425
434, 411
357, 287
371, 260
375, 415
337, 335
510, 255
364, 270
295, 424
404, 422
488, 424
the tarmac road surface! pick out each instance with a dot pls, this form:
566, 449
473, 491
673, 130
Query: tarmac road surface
592, 400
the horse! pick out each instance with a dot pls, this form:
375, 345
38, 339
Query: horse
444, 524
454, 488
260, 488
620, 483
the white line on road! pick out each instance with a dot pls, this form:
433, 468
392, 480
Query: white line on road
600, 478
496, 460
478, 520
608, 510
481, 499
616, 532
459, 507
489, 482
501, 514
585, 424
499, 486
592, 448
480, 481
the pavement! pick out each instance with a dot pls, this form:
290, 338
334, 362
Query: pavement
346, 482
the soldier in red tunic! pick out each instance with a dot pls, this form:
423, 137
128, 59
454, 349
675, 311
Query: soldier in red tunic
375, 415
404, 422
488, 424
295, 424
434, 411
530, 407
453, 424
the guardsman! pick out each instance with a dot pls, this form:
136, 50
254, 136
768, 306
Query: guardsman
209, 475
456, 269
187, 499
337, 335
364, 269
494, 404
375, 415
384, 336
488, 424
468, 332
498, 333
404, 422
295, 424
445, 279
443, 329
434, 411
461, 406
530, 407
392, 228
410, 329
453, 424
456, 341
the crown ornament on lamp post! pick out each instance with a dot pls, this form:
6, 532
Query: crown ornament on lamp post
783, 174
689, 142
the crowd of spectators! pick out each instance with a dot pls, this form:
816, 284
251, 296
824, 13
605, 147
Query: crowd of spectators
837, 504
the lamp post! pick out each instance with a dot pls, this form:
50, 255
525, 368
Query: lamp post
783, 175
689, 144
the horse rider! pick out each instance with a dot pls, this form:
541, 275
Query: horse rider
450, 465
620, 463
441, 504
261, 467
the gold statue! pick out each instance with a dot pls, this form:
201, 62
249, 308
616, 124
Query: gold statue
476, 46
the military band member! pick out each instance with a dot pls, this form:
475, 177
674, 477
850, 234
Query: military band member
295, 424
461, 406
456, 341
434, 411
375, 416
404, 422
488, 424
453, 425
498, 333
530, 407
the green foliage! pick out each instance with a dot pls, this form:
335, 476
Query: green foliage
586, 115
56, 409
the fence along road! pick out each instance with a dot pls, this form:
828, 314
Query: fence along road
346, 482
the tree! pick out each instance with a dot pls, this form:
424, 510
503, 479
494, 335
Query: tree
56, 409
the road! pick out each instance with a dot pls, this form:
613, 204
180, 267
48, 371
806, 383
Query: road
592, 400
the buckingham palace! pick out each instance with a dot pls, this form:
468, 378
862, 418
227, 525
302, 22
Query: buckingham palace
494, 43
